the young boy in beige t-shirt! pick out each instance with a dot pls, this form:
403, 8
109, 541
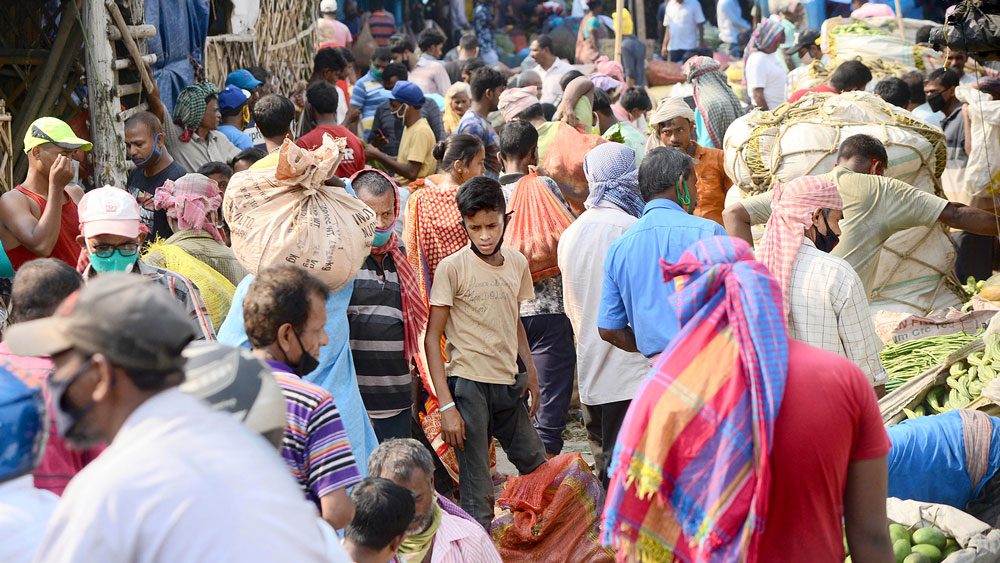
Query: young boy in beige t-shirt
474, 302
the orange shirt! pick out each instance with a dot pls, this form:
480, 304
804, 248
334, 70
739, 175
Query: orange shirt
712, 182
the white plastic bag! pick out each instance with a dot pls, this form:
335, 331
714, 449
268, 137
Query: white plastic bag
982, 173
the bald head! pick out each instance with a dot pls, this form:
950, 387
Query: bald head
39, 287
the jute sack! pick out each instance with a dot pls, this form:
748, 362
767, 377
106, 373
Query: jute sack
802, 139
287, 215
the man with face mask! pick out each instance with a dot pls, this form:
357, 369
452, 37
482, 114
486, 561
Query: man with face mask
178, 481
415, 159
368, 94
825, 303
808, 50
439, 527
386, 314
111, 239
144, 142
284, 315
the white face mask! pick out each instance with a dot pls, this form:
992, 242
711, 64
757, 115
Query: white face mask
806, 59
401, 112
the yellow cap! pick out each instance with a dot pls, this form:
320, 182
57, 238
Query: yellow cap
56, 131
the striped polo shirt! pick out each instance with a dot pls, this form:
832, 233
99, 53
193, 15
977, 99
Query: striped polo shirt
315, 445
375, 316
367, 96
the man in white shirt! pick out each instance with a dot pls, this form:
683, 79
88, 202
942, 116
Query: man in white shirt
24, 509
824, 300
763, 72
550, 67
680, 20
608, 376
731, 25
178, 481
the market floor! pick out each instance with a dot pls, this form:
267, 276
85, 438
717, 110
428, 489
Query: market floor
574, 441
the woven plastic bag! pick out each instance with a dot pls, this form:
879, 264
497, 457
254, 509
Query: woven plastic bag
564, 163
537, 224
288, 215
982, 173
216, 291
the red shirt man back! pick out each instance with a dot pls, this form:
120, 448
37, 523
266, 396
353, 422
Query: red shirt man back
323, 100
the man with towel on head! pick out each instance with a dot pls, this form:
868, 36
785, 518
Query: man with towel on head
825, 302
673, 126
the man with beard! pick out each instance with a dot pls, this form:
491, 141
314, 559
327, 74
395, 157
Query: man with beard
438, 526
144, 142
178, 481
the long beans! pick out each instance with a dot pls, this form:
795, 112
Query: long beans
909, 359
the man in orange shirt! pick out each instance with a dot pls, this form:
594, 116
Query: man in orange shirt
673, 125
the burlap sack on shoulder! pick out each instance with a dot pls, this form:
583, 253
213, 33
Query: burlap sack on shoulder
287, 215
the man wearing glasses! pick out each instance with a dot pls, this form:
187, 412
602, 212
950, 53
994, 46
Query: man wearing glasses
111, 239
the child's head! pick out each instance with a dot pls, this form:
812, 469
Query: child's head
461, 156
518, 146
483, 208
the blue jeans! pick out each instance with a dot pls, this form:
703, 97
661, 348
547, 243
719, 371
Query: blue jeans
681, 55
397, 426
550, 338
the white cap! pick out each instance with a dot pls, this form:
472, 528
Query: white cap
328, 6
109, 211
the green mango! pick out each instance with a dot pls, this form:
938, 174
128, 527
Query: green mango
931, 551
930, 536
899, 532
916, 558
901, 548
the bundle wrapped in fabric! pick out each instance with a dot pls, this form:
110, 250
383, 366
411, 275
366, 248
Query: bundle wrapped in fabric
537, 225
288, 215
802, 139
845, 39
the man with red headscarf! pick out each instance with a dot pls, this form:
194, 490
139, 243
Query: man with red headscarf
386, 314
825, 302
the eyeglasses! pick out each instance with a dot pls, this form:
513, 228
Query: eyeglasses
106, 250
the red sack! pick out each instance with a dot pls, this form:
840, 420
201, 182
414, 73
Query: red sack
564, 163
537, 224
664, 73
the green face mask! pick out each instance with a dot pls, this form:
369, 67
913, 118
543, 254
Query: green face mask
376, 73
114, 263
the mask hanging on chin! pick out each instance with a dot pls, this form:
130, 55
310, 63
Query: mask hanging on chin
307, 362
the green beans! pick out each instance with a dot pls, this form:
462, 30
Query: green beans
909, 359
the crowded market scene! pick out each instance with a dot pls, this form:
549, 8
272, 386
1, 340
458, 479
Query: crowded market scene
463, 281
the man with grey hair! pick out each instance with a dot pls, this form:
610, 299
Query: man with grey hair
439, 526
635, 314
529, 78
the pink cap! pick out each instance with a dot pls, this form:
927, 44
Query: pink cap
109, 211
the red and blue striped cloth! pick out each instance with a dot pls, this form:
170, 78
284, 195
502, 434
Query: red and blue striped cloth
691, 471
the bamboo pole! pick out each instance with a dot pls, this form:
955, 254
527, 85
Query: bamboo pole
899, 21
130, 46
639, 15
108, 134
620, 7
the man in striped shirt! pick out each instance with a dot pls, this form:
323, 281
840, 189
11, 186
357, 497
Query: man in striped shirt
381, 23
368, 94
285, 314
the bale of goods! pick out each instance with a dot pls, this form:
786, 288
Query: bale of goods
288, 215
664, 73
939, 533
852, 39
800, 139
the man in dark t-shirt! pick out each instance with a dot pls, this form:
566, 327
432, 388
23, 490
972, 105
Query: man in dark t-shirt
144, 141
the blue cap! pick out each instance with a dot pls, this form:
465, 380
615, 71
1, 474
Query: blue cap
242, 79
408, 93
232, 98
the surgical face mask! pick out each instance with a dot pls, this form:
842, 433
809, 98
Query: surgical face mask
307, 363
68, 419
376, 73
826, 242
381, 237
401, 112
116, 262
936, 101
154, 155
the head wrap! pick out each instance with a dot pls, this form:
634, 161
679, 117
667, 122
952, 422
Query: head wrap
190, 107
414, 308
668, 109
610, 68
792, 208
515, 100
713, 98
605, 82
767, 35
190, 199
612, 175
722, 380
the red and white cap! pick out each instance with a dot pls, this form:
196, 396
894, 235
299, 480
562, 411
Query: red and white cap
109, 211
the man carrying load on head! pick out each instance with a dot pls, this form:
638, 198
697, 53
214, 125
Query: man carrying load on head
875, 208
825, 303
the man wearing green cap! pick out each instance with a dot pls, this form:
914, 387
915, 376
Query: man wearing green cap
38, 229
191, 133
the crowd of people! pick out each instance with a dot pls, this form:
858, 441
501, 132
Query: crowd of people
201, 407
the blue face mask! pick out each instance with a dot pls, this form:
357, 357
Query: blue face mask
114, 263
381, 237
155, 153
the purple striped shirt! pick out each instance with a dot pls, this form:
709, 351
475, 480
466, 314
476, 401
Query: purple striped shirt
315, 445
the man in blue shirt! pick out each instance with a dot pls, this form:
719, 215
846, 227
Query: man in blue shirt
368, 94
635, 313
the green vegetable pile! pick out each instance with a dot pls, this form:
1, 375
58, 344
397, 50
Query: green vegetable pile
906, 360
857, 27
924, 545
965, 383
